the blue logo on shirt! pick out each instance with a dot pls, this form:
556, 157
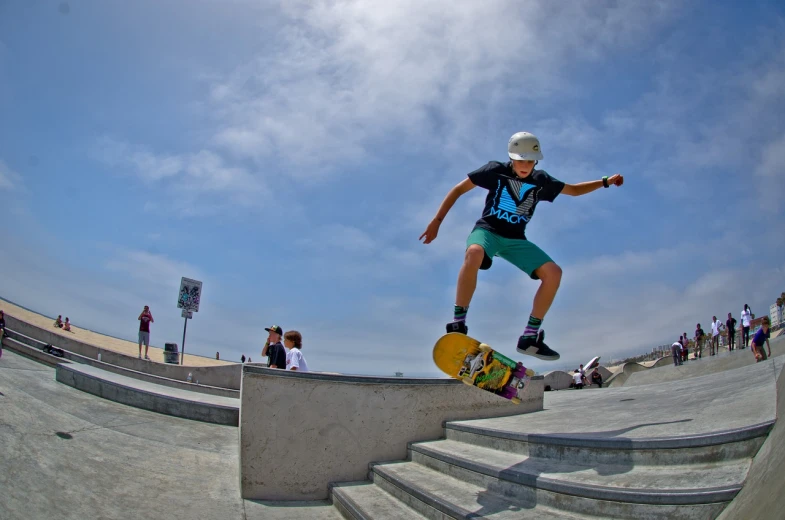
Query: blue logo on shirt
508, 210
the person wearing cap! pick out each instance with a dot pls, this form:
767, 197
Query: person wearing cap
273, 348
514, 189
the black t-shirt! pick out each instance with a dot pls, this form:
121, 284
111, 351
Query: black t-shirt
511, 200
276, 355
730, 324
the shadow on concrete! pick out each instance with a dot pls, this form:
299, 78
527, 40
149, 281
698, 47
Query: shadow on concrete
528, 472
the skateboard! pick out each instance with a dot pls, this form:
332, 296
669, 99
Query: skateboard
477, 364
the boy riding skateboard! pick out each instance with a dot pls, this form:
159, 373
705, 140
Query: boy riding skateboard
514, 189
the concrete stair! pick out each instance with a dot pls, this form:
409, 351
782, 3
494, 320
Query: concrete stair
687, 463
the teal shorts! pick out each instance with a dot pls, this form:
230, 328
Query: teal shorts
519, 252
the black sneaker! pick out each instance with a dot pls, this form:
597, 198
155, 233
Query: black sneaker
457, 326
535, 346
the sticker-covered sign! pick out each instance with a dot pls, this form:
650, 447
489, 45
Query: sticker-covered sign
190, 294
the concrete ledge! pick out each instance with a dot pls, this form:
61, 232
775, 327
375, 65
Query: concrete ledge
224, 376
148, 396
329, 428
617, 443
33, 353
32, 348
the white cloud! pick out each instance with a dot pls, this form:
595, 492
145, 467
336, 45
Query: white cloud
771, 175
346, 75
9, 179
202, 181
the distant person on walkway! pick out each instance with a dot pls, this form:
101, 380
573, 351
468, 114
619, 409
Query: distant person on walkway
676, 351
67, 325
2, 331
761, 337
59, 321
596, 377
746, 318
293, 340
699, 334
685, 343
273, 348
145, 319
730, 325
217, 355
715, 336
242, 358
578, 379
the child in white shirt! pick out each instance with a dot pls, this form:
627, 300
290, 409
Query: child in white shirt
293, 341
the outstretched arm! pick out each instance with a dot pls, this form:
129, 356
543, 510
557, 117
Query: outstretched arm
583, 188
433, 227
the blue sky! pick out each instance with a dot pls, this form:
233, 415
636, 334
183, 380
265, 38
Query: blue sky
290, 154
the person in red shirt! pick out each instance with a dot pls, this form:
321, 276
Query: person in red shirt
145, 319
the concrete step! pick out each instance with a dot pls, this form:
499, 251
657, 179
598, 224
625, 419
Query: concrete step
725, 445
685, 484
438, 495
366, 501
149, 396
486, 497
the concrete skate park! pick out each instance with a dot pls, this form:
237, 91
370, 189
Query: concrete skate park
121, 437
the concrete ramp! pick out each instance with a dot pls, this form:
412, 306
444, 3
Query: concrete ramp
762, 495
707, 365
149, 396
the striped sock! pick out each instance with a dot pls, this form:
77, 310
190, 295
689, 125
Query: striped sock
533, 327
460, 313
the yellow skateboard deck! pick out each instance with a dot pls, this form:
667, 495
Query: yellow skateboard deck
477, 364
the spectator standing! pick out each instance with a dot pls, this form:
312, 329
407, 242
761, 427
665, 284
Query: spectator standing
676, 351
715, 336
730, 325
746, 318
242, 358
274, 349
685, 343
2, 331
583, 375
217, 355
293, 341
699, 334
145, 319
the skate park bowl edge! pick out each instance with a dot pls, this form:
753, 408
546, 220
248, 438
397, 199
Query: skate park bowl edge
331, 427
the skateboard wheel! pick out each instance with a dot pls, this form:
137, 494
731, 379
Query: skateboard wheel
485, 348
530, 372
515, 400
468, 380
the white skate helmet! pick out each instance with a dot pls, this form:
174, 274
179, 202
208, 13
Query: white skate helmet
524, 146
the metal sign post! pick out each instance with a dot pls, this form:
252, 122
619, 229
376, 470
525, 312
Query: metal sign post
188, 300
